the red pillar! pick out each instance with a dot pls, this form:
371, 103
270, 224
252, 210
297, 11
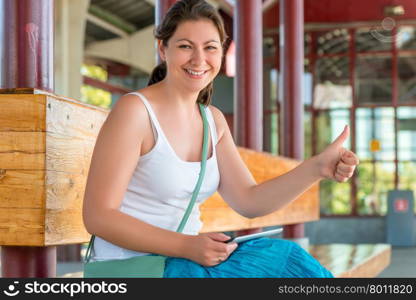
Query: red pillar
28, 262
28, 47
291, 70
27, 62
161, 8
248, 82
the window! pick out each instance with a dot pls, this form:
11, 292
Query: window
334, 41
407, 80
373, 81
332, 88
373, 39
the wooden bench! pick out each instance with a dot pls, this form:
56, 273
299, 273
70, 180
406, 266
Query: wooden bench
47, 143
344, 260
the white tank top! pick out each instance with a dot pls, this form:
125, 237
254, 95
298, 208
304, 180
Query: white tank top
161, 187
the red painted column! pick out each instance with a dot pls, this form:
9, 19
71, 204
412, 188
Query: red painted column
28, 48
291, 70
28, 262
248, 82
161, 8
27, 62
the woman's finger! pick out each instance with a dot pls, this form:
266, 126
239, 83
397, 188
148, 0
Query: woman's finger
350, 158
340, 178
344, 168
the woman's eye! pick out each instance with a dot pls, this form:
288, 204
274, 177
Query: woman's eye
211, 48
185, 46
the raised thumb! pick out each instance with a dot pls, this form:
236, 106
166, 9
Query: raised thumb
343, 136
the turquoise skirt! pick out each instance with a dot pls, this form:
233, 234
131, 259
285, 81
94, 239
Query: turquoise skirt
258, 258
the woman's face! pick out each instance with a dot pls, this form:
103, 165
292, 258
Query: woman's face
193, 55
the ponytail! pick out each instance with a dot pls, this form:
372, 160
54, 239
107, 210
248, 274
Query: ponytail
158, 73
205, 95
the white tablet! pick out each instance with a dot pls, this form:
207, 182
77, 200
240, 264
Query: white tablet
248, 237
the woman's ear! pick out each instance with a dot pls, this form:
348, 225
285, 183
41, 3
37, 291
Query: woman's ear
161, 50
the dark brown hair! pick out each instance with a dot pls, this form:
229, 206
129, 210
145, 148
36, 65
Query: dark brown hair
181, 11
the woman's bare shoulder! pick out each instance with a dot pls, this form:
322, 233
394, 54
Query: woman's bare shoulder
129, 105
128, 114
219, 119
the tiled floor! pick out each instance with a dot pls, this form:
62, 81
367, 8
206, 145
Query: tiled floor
403, 263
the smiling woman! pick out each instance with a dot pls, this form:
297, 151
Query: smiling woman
193, 52
147, 160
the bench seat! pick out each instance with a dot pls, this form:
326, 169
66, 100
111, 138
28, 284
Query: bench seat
348, 260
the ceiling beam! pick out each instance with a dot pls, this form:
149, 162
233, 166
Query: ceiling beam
111, 18
135, 50
106, 25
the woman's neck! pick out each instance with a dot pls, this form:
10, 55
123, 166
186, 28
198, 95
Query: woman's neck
177, 100
177, 96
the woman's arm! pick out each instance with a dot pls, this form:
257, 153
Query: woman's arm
115, 156
239, 189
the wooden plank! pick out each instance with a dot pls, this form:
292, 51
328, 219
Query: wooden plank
22, 189
64, 227
22, 150
33, 91
72, 131
348, 260
68, 154
64, 190
22, 227
22, 113
72, 119
63, 221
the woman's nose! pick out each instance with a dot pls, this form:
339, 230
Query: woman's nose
197, 57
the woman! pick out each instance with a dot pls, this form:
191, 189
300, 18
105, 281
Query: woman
147, 158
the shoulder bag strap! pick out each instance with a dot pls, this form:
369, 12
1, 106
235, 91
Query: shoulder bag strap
201, 173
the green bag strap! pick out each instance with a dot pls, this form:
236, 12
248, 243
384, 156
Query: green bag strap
201, 173
196, 189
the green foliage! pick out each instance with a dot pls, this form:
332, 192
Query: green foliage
94, 72
95, 96
335, 197
92, 95
374, 182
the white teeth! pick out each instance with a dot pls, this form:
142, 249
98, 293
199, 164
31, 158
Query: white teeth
195, 73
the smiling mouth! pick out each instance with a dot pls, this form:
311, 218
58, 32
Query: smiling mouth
195, 74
